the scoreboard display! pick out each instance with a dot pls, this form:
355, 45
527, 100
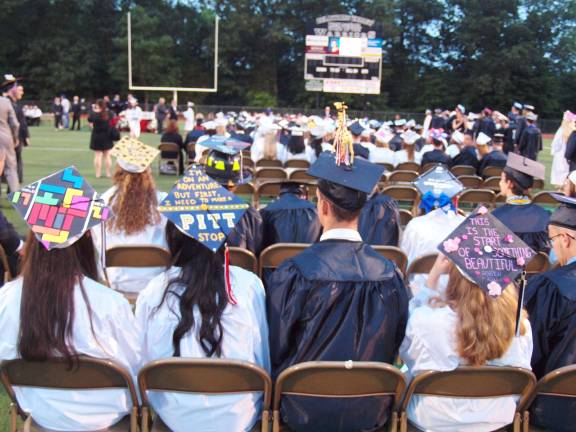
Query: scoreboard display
343, 56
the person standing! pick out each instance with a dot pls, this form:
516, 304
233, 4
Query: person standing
101, 139
160, 111
133, 115
9, 136
14, 91
530, 142
76, 112
57, 111
65, 111
173, 110
190, 118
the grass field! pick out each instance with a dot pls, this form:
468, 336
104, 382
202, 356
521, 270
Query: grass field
51, 151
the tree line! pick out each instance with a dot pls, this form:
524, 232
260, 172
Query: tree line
436, 53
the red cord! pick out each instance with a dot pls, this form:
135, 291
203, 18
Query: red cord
231, 298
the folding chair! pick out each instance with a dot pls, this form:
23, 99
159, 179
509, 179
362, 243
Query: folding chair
340, 380
408, 166
243, 258
473, 197
492, 183
540, 263
172, 148
269, 163
190, 151
387, 166
248, 163
471, 382
265, 174
492, 171
538, 184
297, 163
405, 217
88, 374
402, 176
301, 174
5, 265
395, 254
246, 191
406, 196
276, 254
560, 383
268, 190
545, 198
460, 170
420, 266
428, 167
204, 376
470, 181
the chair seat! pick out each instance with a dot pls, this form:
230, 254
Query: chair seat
122, 426
160, 426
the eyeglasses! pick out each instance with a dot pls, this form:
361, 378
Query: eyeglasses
550, 243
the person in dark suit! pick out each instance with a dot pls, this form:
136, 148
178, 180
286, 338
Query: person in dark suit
486, 124
530, 142
570, 153
469, 155
438, 155
160, 112
76, 112
14, 91
11, 243
496, 157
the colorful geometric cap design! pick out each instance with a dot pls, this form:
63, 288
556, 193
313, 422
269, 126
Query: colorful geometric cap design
202, 209
133, 156
59, 208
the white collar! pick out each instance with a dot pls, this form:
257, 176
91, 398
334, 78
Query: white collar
341, 234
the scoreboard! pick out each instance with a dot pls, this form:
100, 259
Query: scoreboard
343, 55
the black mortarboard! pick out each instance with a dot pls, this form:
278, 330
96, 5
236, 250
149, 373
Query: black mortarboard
292, 187
487, 252
498, 137
523, 170
565, 215
438, 180
346, 186
356, 128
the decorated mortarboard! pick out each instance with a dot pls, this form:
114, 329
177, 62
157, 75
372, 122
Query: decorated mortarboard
410, 137
384, 135
458, 137
518, 105
486, 252
483, 139
225, 145
524, 170
59, 208
531, 116
529, 107
565, 215
437, 187
132, 155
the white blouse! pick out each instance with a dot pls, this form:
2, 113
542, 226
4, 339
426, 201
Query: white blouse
245, 338
381, 155
401, 156
126, 279
430, 344
115, 336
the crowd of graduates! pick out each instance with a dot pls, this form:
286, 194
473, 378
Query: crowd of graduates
337, 300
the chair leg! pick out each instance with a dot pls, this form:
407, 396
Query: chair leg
526, 421
403, 422
134, 420
265, 421
276, 421
13, 417
393, 422
516, 422
144, 426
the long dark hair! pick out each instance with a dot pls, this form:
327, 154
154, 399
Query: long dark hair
296, 144
202, 275
316, 144
104, 114
47, 304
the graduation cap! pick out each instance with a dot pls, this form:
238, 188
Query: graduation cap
565, 215
483, 139
458, 136
9, 80
518, 105
209, 125
410, 137
572, 177
531, 116
59, 208
399, 122
225, 145
437, 186
486, 252
384, 135
529, 107
356, 128
523, 170
132, 155
498, 137
461, 108
347, 186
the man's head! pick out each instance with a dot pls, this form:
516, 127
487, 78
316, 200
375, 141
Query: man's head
76, 99
498, 141
563, 242
161, 101
468, 140
342, 215
16, 92
518, 175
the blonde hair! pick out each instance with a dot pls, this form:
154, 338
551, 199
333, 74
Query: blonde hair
134, 202
486, 325
270, 145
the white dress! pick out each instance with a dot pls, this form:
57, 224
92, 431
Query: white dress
430, 344
560, 168
133, 117
423, 234
245, 338
115, 336
125, 279
381, 155
190, 120
401, 156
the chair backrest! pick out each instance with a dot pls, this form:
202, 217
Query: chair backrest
492, 183
395, 254
538, 264
403, 193
386, 165
538, 184
472, 382
87, 373
170, 147
470, 181
137, 256
405, 217
269, 189
422, 265
477, 196
427, 167
269, 163
190, 147
246, 191
545, 197
5, 264
403, 176
301, 174
409, 166
560, 382
492, 171
243, 258
340, 379
297, 163
206, 376
247, 162
459, 170
271, 173
276, 254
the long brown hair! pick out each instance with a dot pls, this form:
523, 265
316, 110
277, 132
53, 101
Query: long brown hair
104, 115
486, 325
134, 202
48, 290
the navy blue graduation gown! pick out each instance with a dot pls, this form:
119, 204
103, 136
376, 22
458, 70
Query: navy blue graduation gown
337, 300
241, 137
494, 158
550, 300
248, 232
528, 221
379, 221
570, 153
467, 157
290, 219
396, 143
436, 156
361, 151
530, 142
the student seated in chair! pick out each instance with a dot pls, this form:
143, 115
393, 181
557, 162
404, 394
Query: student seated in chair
57, 309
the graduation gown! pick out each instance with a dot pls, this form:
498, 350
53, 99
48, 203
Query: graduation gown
290, 219
361, 151
570, 153
550, 300
494, 158
528, 221
337, 300
530, 142
396, 143
436, 156
466, 157
379, 221
248, 232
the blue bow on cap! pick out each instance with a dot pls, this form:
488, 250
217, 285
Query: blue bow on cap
429, 202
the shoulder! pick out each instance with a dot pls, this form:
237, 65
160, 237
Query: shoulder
156, 287
560, 281
246, 284
427, 320
100, 295
10, 293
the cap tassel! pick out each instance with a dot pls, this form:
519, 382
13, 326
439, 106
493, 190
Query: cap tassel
520, 302
343, 139
231, 298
